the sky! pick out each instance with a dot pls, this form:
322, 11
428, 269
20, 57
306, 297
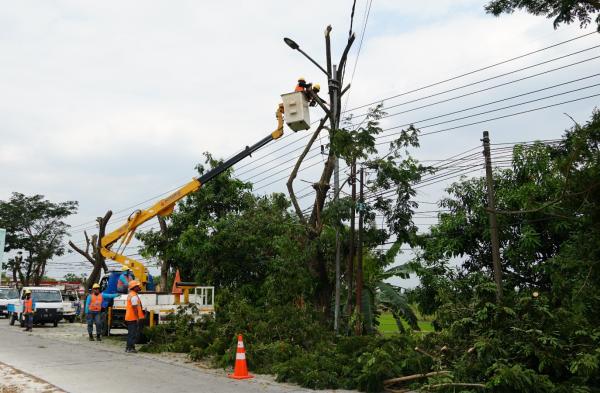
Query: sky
113, 103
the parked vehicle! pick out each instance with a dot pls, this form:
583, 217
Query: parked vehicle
71, 305
158, 306
7, 295
47, 306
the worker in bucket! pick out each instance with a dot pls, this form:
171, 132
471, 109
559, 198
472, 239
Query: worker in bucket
93, 311
134, 315
301, 86
124, 279
28, 307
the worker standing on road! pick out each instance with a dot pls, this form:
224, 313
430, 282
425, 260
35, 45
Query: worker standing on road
134, 315
28, 311
93, 311
124, 279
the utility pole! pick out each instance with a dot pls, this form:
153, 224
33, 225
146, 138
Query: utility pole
492, 215
350, 265
336, 311
359, 262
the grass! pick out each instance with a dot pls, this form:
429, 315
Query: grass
387, 324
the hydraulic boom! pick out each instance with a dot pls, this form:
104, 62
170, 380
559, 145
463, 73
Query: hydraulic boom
165, 206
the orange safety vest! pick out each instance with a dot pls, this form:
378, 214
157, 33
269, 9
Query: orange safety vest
131, 310
95, 303
28, 304
299, 88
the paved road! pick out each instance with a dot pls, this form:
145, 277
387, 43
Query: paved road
80, 366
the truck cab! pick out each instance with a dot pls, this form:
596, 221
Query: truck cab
7, 296
47, 306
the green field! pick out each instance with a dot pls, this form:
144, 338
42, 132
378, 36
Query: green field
387, 324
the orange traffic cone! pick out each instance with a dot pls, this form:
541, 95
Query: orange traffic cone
240, 370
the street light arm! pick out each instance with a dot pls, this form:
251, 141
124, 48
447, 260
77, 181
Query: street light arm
312, 61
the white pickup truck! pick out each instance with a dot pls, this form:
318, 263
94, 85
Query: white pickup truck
47, 306
7, 296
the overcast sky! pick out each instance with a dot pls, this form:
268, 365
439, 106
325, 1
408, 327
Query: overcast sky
112, 103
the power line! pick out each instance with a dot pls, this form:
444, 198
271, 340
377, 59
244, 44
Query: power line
471, 72
401, 94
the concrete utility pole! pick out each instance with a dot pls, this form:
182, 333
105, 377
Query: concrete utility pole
334, 89
2, 237
336, 311
359, 262
351, 246
492, 215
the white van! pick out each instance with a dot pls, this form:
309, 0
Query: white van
7, 295
47, 306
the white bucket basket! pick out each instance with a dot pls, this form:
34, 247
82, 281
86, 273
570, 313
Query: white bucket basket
297, 115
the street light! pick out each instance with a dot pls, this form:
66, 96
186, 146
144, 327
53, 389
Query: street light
292, 44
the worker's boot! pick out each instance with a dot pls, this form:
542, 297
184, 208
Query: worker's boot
91, 337
98, 338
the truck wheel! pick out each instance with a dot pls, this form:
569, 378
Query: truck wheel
55, 324
71, 319
13, 318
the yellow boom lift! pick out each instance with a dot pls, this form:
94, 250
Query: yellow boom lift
295, 106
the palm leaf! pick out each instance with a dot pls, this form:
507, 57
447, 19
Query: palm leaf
390, 297
402, 271
368, 309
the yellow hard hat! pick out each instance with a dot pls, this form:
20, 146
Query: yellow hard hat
316, 87
133, 284
301, 79
28, 292
125, 268
96, 285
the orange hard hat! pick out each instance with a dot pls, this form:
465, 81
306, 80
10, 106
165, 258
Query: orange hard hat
133, 284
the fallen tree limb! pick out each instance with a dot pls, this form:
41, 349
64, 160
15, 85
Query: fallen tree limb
455, 384
413, 377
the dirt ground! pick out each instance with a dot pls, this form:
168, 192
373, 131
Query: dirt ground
15, 381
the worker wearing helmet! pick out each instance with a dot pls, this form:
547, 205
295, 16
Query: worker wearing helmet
28, 307
124, 279
134, 315
316, 88
94, 311
301, 86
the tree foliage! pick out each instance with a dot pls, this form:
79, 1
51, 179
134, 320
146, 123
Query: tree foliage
34, 226
563, 11
544, 335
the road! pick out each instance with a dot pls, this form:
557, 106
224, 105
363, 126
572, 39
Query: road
62, 357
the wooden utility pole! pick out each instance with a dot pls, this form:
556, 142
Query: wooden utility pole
497, 265
359, 262
351, 253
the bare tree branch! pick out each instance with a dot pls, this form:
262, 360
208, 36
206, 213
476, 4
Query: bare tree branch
85, 254
290, 182
165, 265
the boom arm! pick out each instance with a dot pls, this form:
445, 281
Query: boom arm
165, 206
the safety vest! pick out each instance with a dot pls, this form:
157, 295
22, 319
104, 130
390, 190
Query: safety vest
95, 303
123, 282
131, 310
28, 304
299, 88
